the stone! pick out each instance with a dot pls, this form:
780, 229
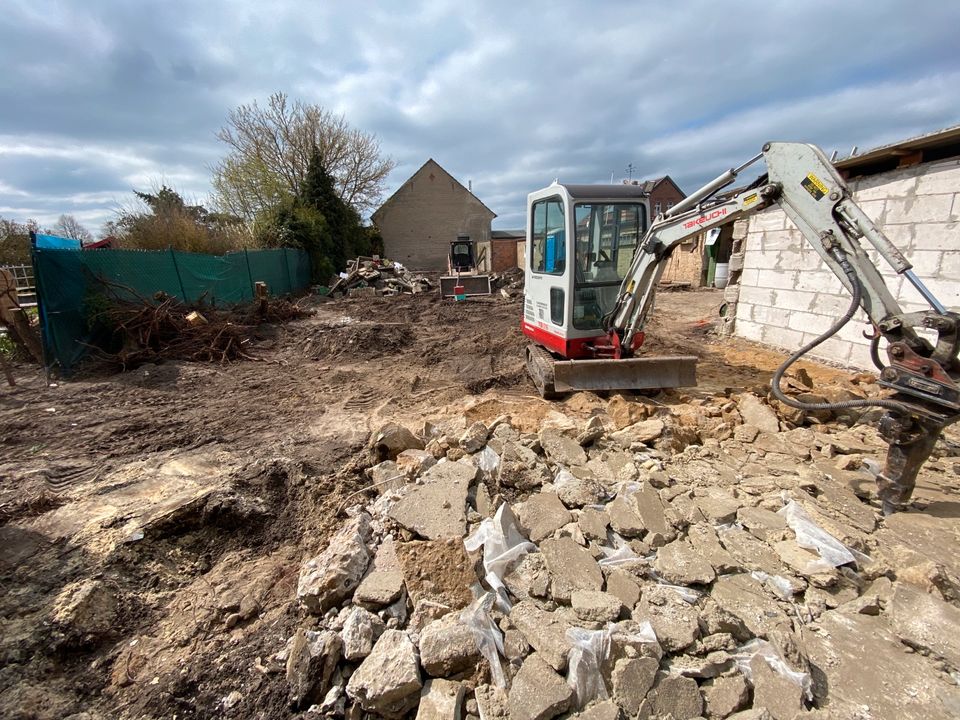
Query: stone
595, 606
592, 431
673, 696
413, 463
441, 700
650, 509
705, 541
387, 475
606, 710
391, 440
593, 524
745, 599
624, 412
334, 574
85, 609
437, 508
575, 492
758, 414
726, 695
311, 661
541, 515
680, 564
447, 647
805, 562
529, 578
538, 693
925, 622
763, 524
383, 583
521, 468
492, 702
624, 518
745, 433
561, 449
632, 678
781, 696
388, 681
751, 553
571, 567
675, 621
515, 646
437, 571
624, 587
474, 437
711, 665
360, 631
719, 508
862, 664
546, 632
643, 432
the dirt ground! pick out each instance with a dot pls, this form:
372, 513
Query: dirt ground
192, 492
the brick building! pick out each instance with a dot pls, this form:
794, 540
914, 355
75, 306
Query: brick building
785, 295
664, 194
420, 220
502, 250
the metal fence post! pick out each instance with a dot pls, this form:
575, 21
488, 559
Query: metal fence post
253, 290
286, 264
183, 292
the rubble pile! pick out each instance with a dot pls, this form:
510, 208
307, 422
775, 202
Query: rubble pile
509, 282
377, 276
706, 559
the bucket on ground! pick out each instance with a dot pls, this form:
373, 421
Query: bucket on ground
722, 275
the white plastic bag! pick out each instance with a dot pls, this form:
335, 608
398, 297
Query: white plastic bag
476, 616
813, 537
745, 654
620, 554
779, 584
589, 649
488, 461
503, 546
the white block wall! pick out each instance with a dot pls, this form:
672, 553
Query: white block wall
788, 296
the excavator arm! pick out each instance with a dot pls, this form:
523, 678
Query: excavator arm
801, 180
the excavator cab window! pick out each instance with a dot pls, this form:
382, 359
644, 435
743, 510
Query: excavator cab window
549, 248
607, 236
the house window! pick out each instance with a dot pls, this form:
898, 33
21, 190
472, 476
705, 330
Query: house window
548, 252
669, 205
656, 209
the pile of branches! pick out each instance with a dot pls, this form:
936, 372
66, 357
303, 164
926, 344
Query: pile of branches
165, 329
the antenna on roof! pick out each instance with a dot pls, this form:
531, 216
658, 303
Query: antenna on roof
611, 177
854, 151
470, 185
833, 156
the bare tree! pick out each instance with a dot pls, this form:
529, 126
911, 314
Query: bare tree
270, 149
69, 227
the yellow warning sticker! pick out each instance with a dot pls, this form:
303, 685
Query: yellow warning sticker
814, 186
750, 199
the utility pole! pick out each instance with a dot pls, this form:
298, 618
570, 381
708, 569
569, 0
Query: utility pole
630, 170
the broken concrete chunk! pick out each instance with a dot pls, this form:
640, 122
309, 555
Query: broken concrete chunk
758, 414
643, 432
541, 515
447, 646
746, 433
632, 678
726, 695
529, 578
335, 573
679, 563
745, 599
85, 608
650, 509
925, 622
593, 524
719, 508
577, 489
438, 507
383, 584
360, 631
624, 412
388, 680
391, 440
763, 524
780, 695
673, 696
387, 476
607, 710
492, 702
592, 431
474, 438
538, 693
311, 661
804, 562
571, 567
595, 606
437, 571
545, 631
441, 700
413, 463
675, 621
624, 518
705, 541
751, 553
561, 449
624, 587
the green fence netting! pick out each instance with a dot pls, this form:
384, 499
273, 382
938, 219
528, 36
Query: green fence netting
70, 281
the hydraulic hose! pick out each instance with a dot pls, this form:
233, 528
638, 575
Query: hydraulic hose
833, 330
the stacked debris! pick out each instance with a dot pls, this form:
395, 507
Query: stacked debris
609, 570
377, 276
510, 282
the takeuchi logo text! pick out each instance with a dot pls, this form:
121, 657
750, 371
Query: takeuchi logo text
719, 212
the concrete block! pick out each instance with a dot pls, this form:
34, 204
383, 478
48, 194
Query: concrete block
759, 259
874, 209
880, 187
805, 259
749, 276
744, 311
793, 299
756, 296
832, 350
860, 357
900, 235
818, 281
810, 322
926, 263
772, 219
774, 240
946, 291
777, 279
831, 304
740, 228
771, 315
782, 337
919, 209
940, 179
950, 266
749, 330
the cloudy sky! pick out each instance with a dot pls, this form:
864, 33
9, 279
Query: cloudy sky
101, 96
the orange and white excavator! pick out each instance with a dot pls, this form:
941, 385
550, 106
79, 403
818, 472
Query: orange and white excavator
593, 263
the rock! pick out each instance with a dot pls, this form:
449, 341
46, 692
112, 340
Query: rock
474, 438
645, 431
538, 693
745, 433
575, 492
607, 710
719, 508
595, 606
311, 661
624, 518
673, 696
925, 622
762, 523
383, 584
437, 571
751, 553
624, 587
624, 412
544, 631
705, 541
571, 567
515, 646
413, 463
437, 508
803, 561
335, 573
680, 564
529, 578
391, 440
696, 666
561, 449
781, 696
521, 468
757, 414
492, 702
387, 475
541, 515
388, 680
441, 700
650, 509
447, 647
725, 695
593, 524
360, 631
85, 609
592, 431
744, 598
760, 714
675, 621
632, 678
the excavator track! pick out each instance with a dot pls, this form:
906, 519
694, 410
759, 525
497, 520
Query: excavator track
540, 368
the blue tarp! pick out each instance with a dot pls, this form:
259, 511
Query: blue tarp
55, 242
